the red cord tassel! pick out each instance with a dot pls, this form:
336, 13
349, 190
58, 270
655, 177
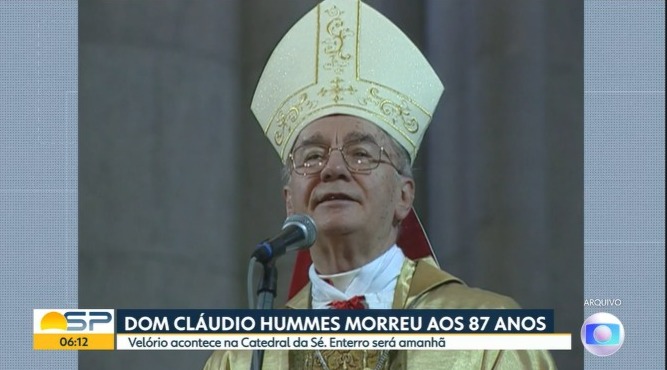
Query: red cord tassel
355, 303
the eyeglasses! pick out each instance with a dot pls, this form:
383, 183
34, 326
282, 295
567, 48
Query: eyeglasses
359, 157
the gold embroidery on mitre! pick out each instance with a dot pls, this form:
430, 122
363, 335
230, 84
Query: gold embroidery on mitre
300, 107
395, 111
334, 45
337, 90
288, 121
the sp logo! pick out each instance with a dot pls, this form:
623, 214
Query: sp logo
77, 320
82, 320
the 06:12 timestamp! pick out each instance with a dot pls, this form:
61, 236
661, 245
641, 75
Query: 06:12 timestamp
74, 342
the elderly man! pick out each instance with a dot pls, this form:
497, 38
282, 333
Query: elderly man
345, 100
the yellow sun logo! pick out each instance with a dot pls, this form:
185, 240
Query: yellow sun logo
53, 320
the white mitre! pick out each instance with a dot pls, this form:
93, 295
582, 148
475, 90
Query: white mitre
343, 57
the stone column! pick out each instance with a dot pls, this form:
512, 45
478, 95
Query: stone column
505, 151
160, 110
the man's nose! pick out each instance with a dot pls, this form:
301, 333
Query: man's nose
336, 168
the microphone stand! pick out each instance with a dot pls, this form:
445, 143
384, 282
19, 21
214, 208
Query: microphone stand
266, 293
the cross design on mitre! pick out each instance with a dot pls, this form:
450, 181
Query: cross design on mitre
336, 91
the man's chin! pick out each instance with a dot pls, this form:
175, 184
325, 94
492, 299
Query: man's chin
336, 223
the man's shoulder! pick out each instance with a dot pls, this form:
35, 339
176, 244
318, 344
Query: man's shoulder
450, 292
462, 296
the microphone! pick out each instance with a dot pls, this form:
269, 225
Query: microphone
299, 232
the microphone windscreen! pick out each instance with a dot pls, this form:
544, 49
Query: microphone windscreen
304, 222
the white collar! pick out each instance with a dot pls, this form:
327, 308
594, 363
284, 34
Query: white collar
376, 281
341, 280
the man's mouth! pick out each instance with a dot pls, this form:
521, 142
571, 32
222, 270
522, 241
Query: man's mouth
334, 197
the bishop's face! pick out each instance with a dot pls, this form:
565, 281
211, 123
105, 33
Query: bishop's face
340, 198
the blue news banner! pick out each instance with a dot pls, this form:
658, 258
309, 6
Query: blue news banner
337, 329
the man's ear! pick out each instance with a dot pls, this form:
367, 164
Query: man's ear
287, 195
406, 198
